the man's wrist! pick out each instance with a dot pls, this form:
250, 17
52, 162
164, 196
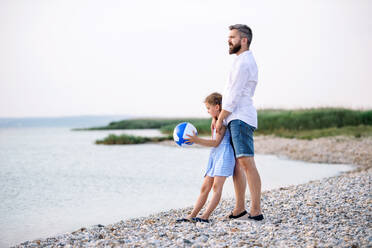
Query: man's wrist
223, 115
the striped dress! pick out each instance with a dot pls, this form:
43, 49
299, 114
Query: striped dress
221, 159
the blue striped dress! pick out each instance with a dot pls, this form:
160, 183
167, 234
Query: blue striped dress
221, 159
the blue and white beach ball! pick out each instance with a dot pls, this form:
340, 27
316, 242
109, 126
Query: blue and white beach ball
180, 132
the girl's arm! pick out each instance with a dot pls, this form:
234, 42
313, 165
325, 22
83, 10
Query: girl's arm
208, 142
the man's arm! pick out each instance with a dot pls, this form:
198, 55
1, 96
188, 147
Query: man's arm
233, 95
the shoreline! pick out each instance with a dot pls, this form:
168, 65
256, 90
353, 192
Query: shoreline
333, 211
329, 150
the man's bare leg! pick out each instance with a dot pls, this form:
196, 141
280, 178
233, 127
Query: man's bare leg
254, 183
240, 186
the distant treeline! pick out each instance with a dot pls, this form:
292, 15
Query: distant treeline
302, 123
165, 125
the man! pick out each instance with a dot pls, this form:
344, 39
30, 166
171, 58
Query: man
241, 116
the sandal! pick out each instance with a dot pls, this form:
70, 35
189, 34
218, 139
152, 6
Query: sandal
257, 217
197, 219
236, 217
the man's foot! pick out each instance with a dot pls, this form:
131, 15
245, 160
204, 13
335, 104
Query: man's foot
257, 217
241, 216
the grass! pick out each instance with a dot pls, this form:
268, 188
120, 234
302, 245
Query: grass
351, 131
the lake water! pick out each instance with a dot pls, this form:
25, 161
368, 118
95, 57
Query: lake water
53, 180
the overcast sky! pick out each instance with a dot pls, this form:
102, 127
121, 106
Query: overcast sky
161, 58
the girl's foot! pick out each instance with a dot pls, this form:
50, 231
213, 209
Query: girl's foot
197, 219
183, 220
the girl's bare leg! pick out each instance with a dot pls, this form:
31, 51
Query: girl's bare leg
217, 192
204, 191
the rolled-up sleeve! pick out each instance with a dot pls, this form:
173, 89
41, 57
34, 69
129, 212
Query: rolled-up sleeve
234, 90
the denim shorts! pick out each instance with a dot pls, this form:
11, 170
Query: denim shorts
241, 138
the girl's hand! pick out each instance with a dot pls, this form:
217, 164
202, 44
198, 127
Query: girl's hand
191, 138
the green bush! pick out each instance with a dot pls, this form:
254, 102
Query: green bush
366, 117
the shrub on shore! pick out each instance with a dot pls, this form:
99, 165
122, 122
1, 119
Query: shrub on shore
125, 139
268, 119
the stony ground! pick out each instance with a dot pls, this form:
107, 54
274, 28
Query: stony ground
332, 212
337, 150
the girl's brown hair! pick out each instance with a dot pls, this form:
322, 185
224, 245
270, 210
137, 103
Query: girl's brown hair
214, 99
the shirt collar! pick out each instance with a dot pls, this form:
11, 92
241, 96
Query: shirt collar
245, 52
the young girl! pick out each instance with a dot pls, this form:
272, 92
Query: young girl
220, 165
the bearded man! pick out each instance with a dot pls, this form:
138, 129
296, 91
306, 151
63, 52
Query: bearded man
241, 116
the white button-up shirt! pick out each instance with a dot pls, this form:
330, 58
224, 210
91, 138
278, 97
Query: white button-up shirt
237, 97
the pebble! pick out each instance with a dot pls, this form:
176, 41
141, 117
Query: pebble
331, 150
332, 212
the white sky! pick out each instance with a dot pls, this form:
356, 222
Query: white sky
161, 58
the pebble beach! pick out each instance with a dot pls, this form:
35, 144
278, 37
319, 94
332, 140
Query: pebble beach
331, 212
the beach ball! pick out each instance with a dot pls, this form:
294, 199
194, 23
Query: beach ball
180, 132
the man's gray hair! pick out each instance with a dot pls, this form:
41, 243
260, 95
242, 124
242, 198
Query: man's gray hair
244, 31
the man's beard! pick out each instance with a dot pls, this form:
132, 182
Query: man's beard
235, 48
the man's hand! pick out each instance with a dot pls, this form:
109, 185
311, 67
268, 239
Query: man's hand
218, 126
221, 117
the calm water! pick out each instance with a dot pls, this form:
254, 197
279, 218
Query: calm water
53, 180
